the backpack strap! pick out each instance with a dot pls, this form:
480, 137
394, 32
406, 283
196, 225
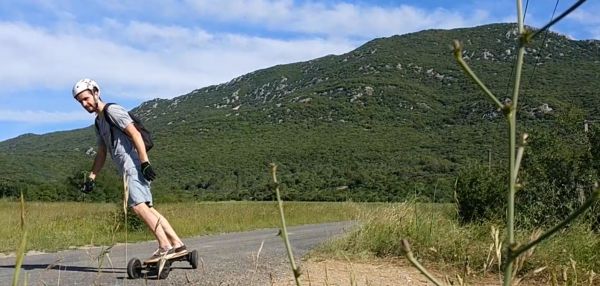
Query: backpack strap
107, 118
110, 122
137, 123
96, 124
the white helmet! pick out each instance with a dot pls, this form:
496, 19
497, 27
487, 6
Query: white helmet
85, 84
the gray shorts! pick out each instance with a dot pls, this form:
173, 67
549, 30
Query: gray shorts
139, 188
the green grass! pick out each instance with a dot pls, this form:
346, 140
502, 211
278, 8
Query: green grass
432, 229
438, 240
57, 226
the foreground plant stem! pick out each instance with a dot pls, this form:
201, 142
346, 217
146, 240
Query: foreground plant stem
510, 111
284, 233
411, 258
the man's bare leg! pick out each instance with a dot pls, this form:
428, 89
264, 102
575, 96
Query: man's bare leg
167, 229
154, 223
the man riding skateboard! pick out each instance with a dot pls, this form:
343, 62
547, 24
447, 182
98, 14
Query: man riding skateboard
116, 132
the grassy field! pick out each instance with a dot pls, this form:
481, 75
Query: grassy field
440, 242
57, 226
436, 237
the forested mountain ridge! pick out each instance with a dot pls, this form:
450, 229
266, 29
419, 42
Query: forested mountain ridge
393, 117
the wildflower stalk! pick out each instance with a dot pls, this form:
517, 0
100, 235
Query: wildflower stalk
511, 110
515, 156
470, 73
520, 152
513, 251
284, 233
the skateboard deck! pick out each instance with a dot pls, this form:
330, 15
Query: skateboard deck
156, 260
137, 268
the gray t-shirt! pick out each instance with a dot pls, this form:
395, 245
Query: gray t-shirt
121, 147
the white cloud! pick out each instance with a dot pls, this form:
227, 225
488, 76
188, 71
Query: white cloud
148, 36
340, 19
352, 20
31, 116
589, 19
146, 60
585, 16
143, 49
270, 11
142, 60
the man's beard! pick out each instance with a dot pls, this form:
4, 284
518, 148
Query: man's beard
94, 108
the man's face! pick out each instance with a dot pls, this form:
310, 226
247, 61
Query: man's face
86, 99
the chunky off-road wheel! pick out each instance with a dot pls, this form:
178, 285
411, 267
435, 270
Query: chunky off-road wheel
193, 259
134, 268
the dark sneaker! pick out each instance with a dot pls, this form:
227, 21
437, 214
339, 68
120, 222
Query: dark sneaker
179, 251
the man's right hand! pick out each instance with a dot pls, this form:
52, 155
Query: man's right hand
148, 172
88, 185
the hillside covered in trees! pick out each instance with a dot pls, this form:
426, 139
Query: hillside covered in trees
392, 119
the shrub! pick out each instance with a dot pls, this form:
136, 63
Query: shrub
557, 174
480, 193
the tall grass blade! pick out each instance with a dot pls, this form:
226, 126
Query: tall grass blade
22, 245
125, 199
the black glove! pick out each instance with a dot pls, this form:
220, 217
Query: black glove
148, 172
88, 185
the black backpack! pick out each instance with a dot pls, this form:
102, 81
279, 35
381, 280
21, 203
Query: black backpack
146, 136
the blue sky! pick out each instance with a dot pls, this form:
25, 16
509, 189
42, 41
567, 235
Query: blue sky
143, 49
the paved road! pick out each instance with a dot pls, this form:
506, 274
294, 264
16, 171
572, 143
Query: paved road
226, 259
